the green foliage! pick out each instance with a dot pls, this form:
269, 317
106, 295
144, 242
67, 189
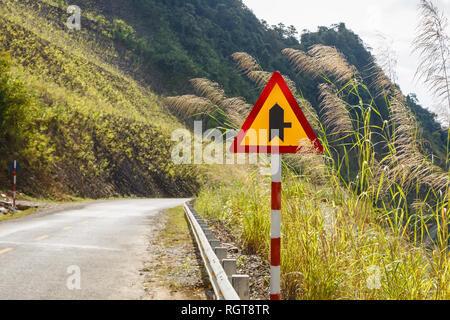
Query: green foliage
14, 101
343, 39
434, 135
82, 127
181, 40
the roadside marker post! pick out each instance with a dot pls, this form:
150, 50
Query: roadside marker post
14, 168
14, 185
276, 125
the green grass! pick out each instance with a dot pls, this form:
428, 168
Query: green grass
331, 242
176, 230
18, 215
357, 221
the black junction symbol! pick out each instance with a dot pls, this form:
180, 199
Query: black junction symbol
276, 123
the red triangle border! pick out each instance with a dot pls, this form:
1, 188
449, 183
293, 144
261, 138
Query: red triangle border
276, 78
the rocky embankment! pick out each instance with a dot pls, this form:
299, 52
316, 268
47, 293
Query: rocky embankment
6, 205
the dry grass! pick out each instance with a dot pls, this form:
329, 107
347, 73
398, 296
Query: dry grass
302, 62
208, 89
188, 105
433, 45
380, 81
235, 108
248, 65
213, 100
245, 62
322, 61
332, 241
408, 164
335, 114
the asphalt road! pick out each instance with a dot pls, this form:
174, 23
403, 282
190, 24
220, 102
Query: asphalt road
92, 252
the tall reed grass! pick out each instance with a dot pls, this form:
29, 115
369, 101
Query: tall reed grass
372, 222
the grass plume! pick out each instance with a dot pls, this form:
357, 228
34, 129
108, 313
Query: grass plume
335, 114
187, 106
433, 45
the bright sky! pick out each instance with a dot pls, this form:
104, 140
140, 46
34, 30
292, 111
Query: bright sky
395, 19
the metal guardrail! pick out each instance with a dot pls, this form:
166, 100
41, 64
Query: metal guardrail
227, 285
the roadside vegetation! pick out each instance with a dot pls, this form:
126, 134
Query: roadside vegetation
18, 215
369, 218
175, 270
78, 125
91, 122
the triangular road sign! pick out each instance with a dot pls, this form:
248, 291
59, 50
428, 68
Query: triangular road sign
276, 124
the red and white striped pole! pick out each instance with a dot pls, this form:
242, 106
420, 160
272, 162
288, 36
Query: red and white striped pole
14, 185
275, 229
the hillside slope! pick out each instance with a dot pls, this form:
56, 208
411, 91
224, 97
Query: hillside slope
93, 124
175, 41
86, 128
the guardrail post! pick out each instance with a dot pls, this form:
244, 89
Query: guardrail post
229, 265
241, 285
221, 253
214, 243
206, 242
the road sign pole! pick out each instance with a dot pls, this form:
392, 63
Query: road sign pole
14, 185
275, 229
278, 111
